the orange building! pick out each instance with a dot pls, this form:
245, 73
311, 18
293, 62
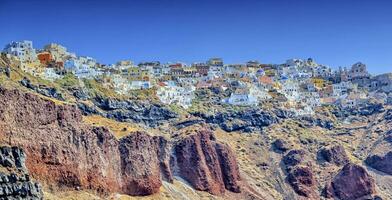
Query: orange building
44, 57
266, 80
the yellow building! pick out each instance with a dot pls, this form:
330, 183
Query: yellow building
318, 82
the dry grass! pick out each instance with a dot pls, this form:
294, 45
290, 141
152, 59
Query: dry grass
119, 129
71, 195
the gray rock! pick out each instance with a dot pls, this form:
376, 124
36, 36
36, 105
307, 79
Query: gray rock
245, 120
16, 185
44, 90
381, 162
281, 145
129, 111
294, 157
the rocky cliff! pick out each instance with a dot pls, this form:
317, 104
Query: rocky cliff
129, 111
62, 152
206, 164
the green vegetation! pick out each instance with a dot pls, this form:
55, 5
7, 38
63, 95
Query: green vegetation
68, 81
97, 89
145, 94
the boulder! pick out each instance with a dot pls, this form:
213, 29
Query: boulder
281, 145
302, 180
294, 157
351, 183
381, 162
335, 155
300, 174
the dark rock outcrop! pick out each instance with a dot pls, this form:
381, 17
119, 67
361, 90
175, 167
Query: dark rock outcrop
381, 162
302, 181
371, 108
351, 183
281, 145
206, 164
300, 174
80, 94
335, 155
187, 123
129, 111
294, 157
388, 115
315, 121
364, 109
15, 180
245, 119
44, 90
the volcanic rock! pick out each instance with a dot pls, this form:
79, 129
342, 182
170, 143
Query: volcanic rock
131, 111
381, 162
300, 174
351, 183
44, 90
281, 145
206, 164
244, 120
63, 152
139, 164
15, 180
335, 154
302, 181
294, 157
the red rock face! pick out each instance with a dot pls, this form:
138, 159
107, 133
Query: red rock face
139, 164
206, 165
300, 174
63, 152
352, 182
229, 167
303, 182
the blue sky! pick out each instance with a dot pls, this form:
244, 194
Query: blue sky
332, 32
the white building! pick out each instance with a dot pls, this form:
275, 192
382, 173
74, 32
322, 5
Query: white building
310, 99
121, 85
290, 89
50, 74
82, 67
23, 50
341, 88
241, 97
140, 85
260, 93
215, 72
322, 71
181, 96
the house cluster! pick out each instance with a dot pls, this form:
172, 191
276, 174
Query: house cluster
300, 85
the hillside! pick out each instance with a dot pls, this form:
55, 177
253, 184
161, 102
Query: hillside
84, 141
